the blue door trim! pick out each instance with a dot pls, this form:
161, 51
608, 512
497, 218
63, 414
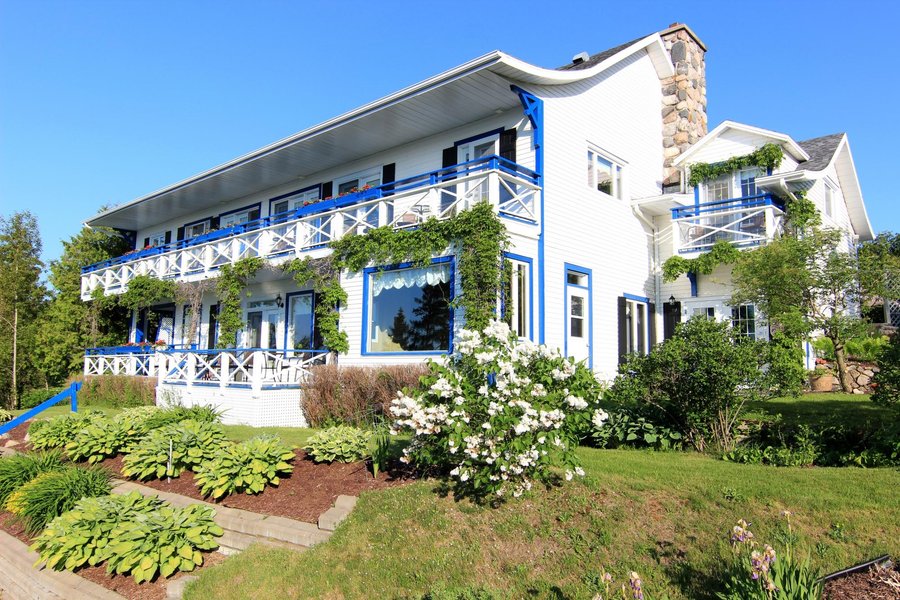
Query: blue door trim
590, 291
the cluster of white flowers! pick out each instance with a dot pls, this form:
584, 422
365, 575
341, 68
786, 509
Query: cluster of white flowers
599, 418
493, 394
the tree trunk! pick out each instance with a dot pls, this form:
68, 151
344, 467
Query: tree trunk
14, 396
840, 357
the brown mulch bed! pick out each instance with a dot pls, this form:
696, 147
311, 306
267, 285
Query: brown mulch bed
121, 584
303, 495
874, 584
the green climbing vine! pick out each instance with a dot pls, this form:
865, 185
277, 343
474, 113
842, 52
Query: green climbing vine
325, 279
477, 233
230, 287
768, 156
144, 291
722, 253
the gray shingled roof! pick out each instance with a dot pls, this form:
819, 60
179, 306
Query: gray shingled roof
598, 58
820, 150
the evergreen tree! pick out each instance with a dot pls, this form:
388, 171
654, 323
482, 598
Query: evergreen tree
431, 327
21, 299
400, 332
69, 325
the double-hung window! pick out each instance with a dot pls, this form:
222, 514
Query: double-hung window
636, 326
605, 174
157, 239
748, 181
408, 309
719, 189
196, 229
743, 320
295, 201
239, 217
358, 181
829, 200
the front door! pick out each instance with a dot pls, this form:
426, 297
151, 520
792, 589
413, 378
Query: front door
578, 345
263, 329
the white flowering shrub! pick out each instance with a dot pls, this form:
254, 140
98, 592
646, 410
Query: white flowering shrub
499, 412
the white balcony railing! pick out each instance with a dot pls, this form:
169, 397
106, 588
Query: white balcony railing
750, 221
512, 190
254, 368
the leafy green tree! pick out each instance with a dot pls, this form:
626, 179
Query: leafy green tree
887, 380
805, 281
22, 297
69, 325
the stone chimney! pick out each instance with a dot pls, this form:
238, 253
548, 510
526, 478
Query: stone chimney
683, 97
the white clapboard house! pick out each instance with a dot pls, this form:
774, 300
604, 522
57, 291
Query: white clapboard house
585, 165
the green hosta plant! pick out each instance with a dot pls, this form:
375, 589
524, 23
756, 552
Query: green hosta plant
105, 437
175, 414
19, 469
5, 416
245, 467
169, 450
624, 428
49, 495
342, 444
59, 431
133, 534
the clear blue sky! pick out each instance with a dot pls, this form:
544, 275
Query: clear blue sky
105, 101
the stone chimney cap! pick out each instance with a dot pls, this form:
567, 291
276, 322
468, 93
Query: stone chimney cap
679, 26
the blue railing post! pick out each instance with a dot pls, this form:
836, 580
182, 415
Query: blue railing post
73, 393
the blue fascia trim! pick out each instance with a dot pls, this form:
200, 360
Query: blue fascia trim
590, 290
533, 108
643, 299
479, 136
287, 313
249, 207
365, 307
527, 260
692, 277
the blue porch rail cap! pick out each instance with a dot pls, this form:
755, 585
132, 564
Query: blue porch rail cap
483, 164
70, 393
753, 201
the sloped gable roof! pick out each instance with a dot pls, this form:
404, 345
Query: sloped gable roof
598, 58
821, 150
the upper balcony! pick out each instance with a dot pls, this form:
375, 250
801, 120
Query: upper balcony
511, 189
748, 221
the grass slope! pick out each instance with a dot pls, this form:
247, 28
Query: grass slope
665, 515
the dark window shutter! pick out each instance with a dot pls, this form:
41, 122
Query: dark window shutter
388, 175
254, 214
508, 145
651, 323
213, 223
168, 237
146, 242
623, 331
449, 157
326, 190
180, 234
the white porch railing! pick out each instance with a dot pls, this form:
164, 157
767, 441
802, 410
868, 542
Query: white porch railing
750, 221
511, 189
255, 368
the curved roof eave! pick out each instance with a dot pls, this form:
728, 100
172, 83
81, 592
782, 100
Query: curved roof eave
498, 62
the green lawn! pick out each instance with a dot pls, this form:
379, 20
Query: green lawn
63, 409
822, 409
293, 436
665, 515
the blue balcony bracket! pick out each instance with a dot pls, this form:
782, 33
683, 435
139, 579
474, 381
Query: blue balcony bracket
692, 277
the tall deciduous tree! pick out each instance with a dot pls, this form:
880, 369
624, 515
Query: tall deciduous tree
69, 325
21, 299
807, 280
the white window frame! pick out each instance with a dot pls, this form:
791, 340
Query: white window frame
157, 239
296, 201
617, 167
370, 177
518, 305
828, 201
729, 188
235, 218
736, 318
189, 233
638, 339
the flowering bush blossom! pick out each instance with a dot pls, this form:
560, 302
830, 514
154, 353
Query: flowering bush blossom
499, 412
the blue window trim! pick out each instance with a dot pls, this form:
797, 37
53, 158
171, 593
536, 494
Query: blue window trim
365, 308
287, 317
479, 136
527, 260
249, 207
636, 298
272, 201
590, 290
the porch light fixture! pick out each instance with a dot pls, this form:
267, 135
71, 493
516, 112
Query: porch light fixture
671, 300
279, 302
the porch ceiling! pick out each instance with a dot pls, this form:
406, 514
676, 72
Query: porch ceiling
427, 112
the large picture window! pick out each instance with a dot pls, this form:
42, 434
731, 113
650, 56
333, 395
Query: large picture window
409, 309
302, 332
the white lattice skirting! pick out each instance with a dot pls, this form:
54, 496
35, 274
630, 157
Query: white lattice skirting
241, 406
